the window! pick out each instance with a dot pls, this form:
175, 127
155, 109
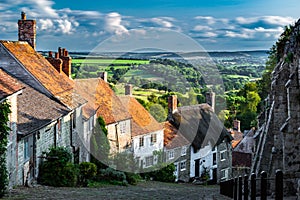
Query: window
183, 165
171, 155
141, 141
26, 149
214, 159
123, 127
223, 155
183, 151
149, 161
58, 126
73, 119
224, 174
153, 138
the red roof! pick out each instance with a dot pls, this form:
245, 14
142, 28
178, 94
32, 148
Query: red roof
172, 137
142, 122
8, 85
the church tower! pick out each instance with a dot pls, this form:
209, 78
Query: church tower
27, 30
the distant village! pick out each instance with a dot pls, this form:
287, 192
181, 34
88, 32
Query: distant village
49, 108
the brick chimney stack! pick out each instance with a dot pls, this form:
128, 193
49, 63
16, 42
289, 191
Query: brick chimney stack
210, 99
27, 30
55, 62
172, 105
103, 75
67, 61
128, 89
237, 125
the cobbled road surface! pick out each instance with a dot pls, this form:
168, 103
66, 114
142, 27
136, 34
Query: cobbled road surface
144, 190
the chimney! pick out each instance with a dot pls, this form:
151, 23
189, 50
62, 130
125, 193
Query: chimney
128, 89
237, 125
56, 62
172, 105
66, 61
103, 75
27, 30
210, 99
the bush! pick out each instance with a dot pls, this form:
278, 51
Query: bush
87, 171
57, 170
133, 178
165, 174
112, 176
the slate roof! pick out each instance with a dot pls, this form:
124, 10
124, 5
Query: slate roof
101, 98
8, 85
172, 137
36, 110
200, 125
59, 85
142, 120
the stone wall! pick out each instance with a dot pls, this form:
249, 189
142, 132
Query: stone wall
279, 131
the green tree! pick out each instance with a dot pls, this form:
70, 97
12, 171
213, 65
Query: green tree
4, 130
158, 112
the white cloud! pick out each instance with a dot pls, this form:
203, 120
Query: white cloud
245, 34
209, 20
45, 24
113, 24
202, 28
209, 34
273, 20
162, 22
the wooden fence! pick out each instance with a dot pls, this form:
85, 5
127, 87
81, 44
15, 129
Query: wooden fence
245, 187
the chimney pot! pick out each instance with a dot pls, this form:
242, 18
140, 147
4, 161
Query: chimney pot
23, 15
172, 104
63, 52
237, 125
50, 54
56, 55
128, 89
210, 99
66, 53
59, 51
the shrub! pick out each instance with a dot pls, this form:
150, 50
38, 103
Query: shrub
57, 169
133, 178
111, 175
4, 111
165, 174
87, 171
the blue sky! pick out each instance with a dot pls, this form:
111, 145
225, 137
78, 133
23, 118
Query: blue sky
215, 24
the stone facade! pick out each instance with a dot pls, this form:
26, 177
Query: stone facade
278, 146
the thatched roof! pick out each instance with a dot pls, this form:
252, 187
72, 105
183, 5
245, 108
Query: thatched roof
200, 125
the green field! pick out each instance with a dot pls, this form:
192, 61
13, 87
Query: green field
109, 61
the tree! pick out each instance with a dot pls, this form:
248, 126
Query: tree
158, 112
4, 129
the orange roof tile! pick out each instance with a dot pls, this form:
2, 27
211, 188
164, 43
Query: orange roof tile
59, 85
8, 85
101, 98
143, 122
237, 137
172, 137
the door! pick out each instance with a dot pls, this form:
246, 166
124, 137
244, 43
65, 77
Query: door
197, 167
214, 178
176, 172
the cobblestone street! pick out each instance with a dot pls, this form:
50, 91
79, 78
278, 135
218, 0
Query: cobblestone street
144, 190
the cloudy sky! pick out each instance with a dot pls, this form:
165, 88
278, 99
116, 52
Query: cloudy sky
80, 25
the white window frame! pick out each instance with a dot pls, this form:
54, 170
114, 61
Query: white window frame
223, 155
123, 127
171, 155
149, 161
153, 138
141, 141
183, 150
224, 174
183, 165
26, 149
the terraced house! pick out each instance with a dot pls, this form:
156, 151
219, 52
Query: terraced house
49, 113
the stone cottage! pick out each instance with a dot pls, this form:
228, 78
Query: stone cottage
210, 142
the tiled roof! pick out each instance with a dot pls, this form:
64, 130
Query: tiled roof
142, 122
8, 85
101, 98
172, 137
59, 85
200, 125
36, 110
237, 137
